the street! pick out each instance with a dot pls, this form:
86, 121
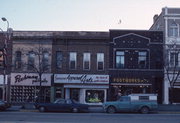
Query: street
36, 117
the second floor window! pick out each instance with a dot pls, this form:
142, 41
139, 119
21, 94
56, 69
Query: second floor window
142, 59
120, 61
31, 60
59, 59
174, 59
100, 61
45, 59
72, 60
18, 60
86, 61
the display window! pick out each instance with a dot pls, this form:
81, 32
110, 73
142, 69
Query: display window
94, 96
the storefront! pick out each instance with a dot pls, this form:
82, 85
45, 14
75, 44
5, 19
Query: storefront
87, 89
127, 85
25, 87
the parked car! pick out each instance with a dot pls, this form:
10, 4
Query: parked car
143, 103
4, 105
62, 105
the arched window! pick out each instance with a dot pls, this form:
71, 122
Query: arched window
18, 59
173, 29
45, 59
31, 60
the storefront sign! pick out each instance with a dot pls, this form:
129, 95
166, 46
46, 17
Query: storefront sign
30, 79
81, 78
130, 80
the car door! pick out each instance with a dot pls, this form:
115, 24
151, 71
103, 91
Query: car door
59, 105
124, 104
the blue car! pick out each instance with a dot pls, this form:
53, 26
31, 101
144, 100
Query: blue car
63, 105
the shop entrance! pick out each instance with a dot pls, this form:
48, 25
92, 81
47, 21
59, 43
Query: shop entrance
119, 90
74, 94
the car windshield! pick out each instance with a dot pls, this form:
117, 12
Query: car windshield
59, 101
75, 101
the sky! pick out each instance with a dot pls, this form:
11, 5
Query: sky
81, 15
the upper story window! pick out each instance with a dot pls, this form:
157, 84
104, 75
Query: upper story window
120, 60
174, 59
31, 60
18, 61
1, 59
45, 59
72, 60
100, 61
142, 59
86, 61
173, 30
59, 59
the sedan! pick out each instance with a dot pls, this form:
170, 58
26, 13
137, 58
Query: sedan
4, 105
64, 105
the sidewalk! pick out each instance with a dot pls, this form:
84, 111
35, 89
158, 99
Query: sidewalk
162, 109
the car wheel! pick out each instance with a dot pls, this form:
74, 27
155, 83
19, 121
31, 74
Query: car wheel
111, 109
42, 109
144, 110
75, 110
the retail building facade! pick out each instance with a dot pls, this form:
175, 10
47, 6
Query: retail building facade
80, 66
136, 62
31, 58
168, 21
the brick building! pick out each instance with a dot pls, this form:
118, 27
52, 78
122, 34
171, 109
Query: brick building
136, 62
80, 66
5, 63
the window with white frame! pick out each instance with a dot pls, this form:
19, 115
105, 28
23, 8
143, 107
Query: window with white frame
174, 59
120, 60
100, 61
142, 59
86, 61
173, 30
72, 60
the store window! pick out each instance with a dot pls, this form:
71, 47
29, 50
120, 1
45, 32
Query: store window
100, 61
72, 60
94, 96
31, 60
59, 59
173, 29
45, 59
1, 59
18, 60
86, 61
120, 59
142, 59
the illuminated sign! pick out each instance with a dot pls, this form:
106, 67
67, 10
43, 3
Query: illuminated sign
130, 80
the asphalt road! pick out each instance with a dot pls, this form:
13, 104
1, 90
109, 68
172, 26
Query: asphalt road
37, 117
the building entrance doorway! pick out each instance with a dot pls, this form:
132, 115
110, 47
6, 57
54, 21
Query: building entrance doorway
74, 94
